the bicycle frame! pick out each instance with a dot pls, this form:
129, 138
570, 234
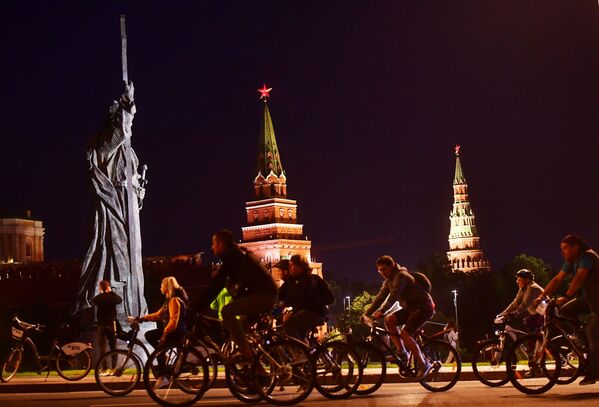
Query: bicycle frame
553, 321
377, 333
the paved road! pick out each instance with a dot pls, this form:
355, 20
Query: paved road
464, 394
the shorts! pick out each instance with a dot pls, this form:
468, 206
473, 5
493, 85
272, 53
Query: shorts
415, 317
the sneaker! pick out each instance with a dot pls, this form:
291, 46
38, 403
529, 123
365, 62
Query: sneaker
161, 382
423, 371
104, 372
588, 379
534, 372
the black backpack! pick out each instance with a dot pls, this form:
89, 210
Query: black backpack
423, 281
322, 291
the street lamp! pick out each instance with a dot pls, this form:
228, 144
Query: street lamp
455, 306
347, 303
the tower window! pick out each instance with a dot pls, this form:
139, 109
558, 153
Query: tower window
28, 248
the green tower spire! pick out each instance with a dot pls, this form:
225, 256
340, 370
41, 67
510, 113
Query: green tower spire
459, 178
269, 158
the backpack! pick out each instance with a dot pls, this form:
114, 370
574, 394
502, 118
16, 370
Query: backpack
322, 292
423, 281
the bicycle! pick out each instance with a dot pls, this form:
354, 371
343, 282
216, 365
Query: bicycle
338, 369
281, 372
72, 360
376, 351
126, 365
489, 359
557, 355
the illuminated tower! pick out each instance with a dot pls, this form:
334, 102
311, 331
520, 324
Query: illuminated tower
272, 232
464, 253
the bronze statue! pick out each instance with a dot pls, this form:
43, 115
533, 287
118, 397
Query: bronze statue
114, 253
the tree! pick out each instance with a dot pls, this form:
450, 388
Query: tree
350, 320
538, 266
481, 296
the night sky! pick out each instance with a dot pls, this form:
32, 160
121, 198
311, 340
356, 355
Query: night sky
368, 101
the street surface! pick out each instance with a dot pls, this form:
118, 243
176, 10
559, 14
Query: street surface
464, 394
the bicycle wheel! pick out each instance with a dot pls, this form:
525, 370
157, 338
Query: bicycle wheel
447, 366
141, 351
176, 378
374, 367
338, 370
240, 384
488, 363
570, 361
213, 362
531, 367
76, 367
238, 379
283, 373
118, 372
11, 364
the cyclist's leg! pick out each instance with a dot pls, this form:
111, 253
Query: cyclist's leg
153, 338
533, 323
574, 308
250, 305
417, 318
300, 323
392, 323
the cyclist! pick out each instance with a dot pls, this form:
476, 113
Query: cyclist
251, 286
172, 312
522, 305
418, 308
308, 295
582, 295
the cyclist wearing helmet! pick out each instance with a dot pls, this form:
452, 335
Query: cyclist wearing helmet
523, 306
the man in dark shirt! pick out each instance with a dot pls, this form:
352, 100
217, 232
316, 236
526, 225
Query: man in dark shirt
582, 296
251, 286
105, 304
417, 308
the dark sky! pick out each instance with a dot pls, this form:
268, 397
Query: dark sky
369, 99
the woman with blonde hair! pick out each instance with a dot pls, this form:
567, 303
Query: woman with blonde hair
172, 314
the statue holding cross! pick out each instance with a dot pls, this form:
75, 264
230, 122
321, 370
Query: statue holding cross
114, 252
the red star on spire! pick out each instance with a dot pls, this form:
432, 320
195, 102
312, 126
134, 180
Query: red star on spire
457, 149
264, 92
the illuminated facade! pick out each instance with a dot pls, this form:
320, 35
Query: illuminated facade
465, 254
272, 232
21, 240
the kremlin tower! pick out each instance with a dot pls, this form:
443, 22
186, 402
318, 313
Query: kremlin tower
465, 254
272, 232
